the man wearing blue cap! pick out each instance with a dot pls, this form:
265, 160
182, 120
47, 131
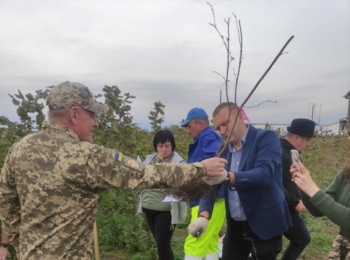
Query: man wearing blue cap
205, 144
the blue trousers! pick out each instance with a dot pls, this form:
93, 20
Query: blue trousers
240, 241
299, 238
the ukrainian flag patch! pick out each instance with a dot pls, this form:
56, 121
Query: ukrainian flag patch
119, 157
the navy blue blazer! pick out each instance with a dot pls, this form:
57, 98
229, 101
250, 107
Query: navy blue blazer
259, 185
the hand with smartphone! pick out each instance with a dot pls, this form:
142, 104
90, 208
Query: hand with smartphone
301, 175
295, 158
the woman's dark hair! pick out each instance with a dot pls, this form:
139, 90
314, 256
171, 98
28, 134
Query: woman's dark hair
163, 136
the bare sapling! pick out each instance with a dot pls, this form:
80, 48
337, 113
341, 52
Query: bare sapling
197, 189
229, 58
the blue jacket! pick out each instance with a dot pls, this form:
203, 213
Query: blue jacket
203, 147
259, 185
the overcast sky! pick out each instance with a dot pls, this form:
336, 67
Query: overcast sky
167, 51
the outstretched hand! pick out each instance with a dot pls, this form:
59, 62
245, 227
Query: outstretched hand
303, 179
215, 166
216, 179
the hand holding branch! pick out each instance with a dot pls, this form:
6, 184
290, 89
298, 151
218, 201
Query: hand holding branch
215, 166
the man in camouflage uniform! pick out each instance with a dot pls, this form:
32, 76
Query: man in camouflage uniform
52, 181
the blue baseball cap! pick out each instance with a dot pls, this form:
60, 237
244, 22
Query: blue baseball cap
195, 113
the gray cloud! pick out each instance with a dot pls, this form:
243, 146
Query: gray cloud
167, 51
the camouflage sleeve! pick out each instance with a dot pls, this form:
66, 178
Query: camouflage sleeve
107, 168
9, 203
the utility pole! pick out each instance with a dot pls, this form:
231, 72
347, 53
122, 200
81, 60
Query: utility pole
312, 111
319, 115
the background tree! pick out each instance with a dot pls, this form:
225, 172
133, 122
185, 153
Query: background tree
28, 104
115, 126
155, 116
268, 126
10, 133
118, 227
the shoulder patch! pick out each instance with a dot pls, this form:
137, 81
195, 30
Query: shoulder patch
133, 164
130, 163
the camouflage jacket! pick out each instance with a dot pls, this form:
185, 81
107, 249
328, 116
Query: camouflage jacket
51, 183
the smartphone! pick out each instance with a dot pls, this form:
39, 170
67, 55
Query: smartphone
295, 156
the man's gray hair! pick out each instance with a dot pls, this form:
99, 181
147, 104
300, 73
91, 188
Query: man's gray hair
56, 115
230, 105
290, 135
205, 121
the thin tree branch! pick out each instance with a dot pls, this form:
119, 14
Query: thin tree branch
251, 93
228, 57
240, 37
267, 71
216, 28
266, 101
219, 74
219, 153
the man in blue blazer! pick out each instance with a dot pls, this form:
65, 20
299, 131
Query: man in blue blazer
256, 210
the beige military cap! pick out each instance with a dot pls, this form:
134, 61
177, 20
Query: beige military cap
70, 94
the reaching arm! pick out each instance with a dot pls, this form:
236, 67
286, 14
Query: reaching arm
106, 169
320, 202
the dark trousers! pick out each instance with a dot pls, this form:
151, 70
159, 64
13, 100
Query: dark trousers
240, 241
159, 222
299, 238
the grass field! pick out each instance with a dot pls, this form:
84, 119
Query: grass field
324, 158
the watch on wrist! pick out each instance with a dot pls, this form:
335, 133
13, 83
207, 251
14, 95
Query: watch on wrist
227, 180
4, 245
